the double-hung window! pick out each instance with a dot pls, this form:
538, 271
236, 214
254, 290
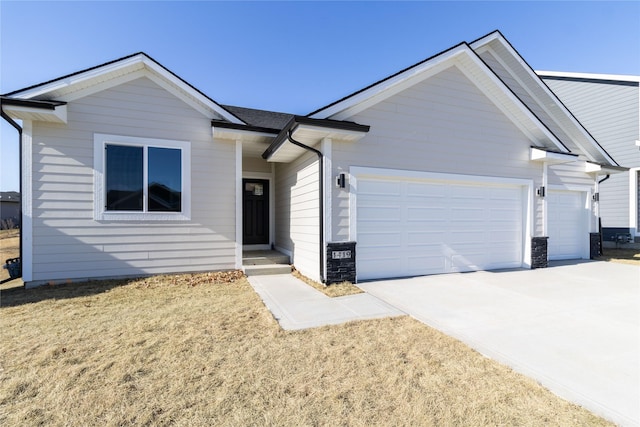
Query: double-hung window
141, 178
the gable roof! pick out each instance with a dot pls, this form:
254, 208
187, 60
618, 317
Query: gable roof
463, 57
505, 61
82, 83
543, 131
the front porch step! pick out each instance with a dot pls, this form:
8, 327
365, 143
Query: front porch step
266, 269
264, 258
262, 263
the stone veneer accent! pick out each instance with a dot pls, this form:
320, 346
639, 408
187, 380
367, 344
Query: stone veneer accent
539, 252
341, 262
594, 245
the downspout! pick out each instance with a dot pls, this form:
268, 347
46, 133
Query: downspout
19, 129
599, 217
321, 196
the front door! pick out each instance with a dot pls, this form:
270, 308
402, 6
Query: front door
255, 212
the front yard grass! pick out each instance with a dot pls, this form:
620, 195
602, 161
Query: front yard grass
185, 350
621, 255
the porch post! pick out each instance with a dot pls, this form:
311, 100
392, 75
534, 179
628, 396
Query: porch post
238, 245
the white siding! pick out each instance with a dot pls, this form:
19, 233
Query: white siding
253, 164
444, 124
297, 213
69, 245
611, 113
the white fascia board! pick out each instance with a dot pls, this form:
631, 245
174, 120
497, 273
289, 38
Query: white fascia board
496, 36
638, 143
239, 134
590, 76
517, 102
360, 101
63, 88
538, 155
135, 62
57, 115
592, 167
319, 133
598, 169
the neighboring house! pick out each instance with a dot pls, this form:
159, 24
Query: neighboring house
609, 107
9, 209
464, 161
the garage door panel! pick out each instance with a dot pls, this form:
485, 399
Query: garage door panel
467, 213
425, 237
426, 212
422, 191
566, 224
461, 237
438, 227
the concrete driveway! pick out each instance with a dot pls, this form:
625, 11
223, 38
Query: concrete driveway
574, 327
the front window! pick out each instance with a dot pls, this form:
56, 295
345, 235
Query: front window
141, 178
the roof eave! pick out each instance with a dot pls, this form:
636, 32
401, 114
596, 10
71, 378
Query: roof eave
311, 131
34, 110
497, 36
138, 62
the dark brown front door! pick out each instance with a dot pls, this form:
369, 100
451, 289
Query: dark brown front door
255, 211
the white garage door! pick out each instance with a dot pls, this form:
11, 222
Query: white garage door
407, 228
566, 222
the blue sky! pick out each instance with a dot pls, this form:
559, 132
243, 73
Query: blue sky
297, 56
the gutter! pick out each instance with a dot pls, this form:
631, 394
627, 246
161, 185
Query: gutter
604, 179
19, 129
321, 123
286, 134
320, 196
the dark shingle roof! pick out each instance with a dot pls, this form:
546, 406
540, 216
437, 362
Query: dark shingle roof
260, 118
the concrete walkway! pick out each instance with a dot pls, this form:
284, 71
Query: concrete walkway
296, 305
575, 328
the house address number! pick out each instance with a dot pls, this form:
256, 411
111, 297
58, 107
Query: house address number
341, 255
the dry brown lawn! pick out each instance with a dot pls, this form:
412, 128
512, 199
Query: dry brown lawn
184, 350
621, 255
334, 290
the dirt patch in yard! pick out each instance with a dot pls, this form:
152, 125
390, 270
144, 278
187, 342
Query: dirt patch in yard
334, 290
183, 349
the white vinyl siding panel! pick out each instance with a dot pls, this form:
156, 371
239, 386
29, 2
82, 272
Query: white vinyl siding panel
297, 213
444, 124
69, 244
258, 165
408, 227
611, 113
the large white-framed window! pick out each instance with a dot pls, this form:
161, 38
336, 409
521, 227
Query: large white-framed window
141, 178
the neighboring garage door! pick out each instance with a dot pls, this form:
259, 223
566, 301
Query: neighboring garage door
566, 224
411, 227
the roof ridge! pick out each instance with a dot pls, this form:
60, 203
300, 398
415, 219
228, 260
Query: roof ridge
387, 78
66, 76
115, 61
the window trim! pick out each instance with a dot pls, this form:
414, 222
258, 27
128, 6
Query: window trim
99, 164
